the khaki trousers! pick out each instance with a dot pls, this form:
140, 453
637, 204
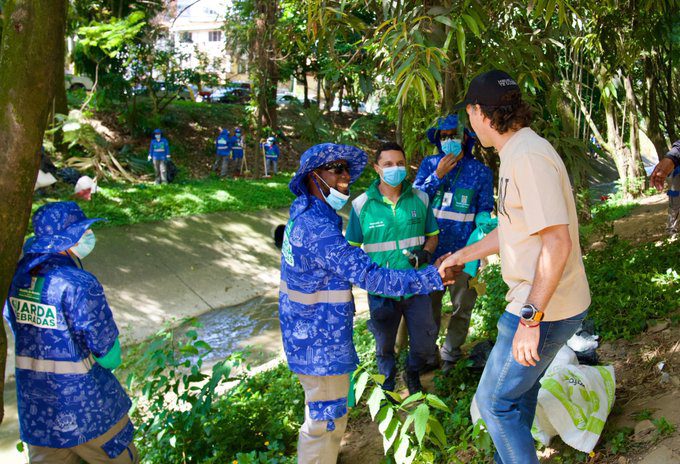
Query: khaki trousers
317, 445
90, 451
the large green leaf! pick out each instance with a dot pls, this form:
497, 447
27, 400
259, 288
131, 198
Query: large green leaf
421, 415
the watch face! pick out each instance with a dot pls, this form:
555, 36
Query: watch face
527, 312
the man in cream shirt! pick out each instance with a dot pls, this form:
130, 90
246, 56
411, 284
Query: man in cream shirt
537, 238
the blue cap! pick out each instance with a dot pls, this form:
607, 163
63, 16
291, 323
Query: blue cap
446, 123
58, 226
325, 153
157, 131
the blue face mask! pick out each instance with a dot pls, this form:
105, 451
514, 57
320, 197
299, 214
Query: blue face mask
85, 245
394, 175
451, 146
335, 199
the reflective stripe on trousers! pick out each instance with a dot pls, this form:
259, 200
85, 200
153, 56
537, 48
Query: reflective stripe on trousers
452, 216
391, 246
321, 296
55, 367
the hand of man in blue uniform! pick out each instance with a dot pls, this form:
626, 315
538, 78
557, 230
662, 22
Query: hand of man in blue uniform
446, 164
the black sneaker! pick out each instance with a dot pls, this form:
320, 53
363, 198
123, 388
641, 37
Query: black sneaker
413, 382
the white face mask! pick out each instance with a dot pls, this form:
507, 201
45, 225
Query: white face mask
85, 245
158, 137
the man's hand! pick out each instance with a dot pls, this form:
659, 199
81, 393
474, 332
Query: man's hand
449, 267
449, 274
525, 345
661, 171
445, 165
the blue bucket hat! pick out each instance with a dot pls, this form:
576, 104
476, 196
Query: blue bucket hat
157, 131
58, 226
325, 153
446, 123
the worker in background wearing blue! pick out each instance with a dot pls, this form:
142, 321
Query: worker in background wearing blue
237, 149
316, 307
70, 405
159, 153
222, 152
460, 188
271, 156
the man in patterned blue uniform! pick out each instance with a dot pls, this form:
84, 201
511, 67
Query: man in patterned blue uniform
316, 308
460, 188
71, 406
237, 143
159, 153
222, 152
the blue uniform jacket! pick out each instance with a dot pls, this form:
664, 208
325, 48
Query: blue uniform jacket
318, 269
159, 149
236, 146
223, 144
60, 319
456, 199
271, 151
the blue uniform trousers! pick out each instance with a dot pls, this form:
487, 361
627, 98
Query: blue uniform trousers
386, 313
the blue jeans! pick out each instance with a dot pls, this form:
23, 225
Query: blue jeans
386, 314
508, 392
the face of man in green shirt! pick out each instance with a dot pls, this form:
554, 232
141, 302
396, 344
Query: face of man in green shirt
389, 160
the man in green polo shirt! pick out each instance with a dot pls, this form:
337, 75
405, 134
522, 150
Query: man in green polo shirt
389, 218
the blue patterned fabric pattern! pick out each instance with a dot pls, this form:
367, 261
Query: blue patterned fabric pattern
57, 226
318, 269
465, 191
328, 411
119, 443
449, 122
60, 320
324, 153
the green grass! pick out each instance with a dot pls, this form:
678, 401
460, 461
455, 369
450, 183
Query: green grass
126, 204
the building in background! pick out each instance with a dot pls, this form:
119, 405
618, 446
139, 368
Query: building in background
197, 30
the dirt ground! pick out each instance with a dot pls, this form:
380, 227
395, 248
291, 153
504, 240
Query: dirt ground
647, 376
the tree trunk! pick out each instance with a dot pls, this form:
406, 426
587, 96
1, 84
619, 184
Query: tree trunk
400, 123
652, 120
33, 33
635, 166
305, 86
318, 91
265, 59
60, 103
340, 97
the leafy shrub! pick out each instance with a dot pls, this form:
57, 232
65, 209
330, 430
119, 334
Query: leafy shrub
182, 415
631, 284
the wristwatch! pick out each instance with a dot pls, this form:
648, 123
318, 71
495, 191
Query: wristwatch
529, 313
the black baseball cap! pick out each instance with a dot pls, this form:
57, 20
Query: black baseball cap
488, 89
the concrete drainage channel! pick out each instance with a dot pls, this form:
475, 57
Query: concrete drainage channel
252, 327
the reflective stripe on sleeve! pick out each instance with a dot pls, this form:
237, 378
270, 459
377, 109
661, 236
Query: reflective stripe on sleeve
321, 296
450, 215
55, 367
381, 246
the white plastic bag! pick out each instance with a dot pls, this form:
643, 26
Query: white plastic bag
574, 402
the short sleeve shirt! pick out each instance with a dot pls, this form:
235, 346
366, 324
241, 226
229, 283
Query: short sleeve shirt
534, 193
